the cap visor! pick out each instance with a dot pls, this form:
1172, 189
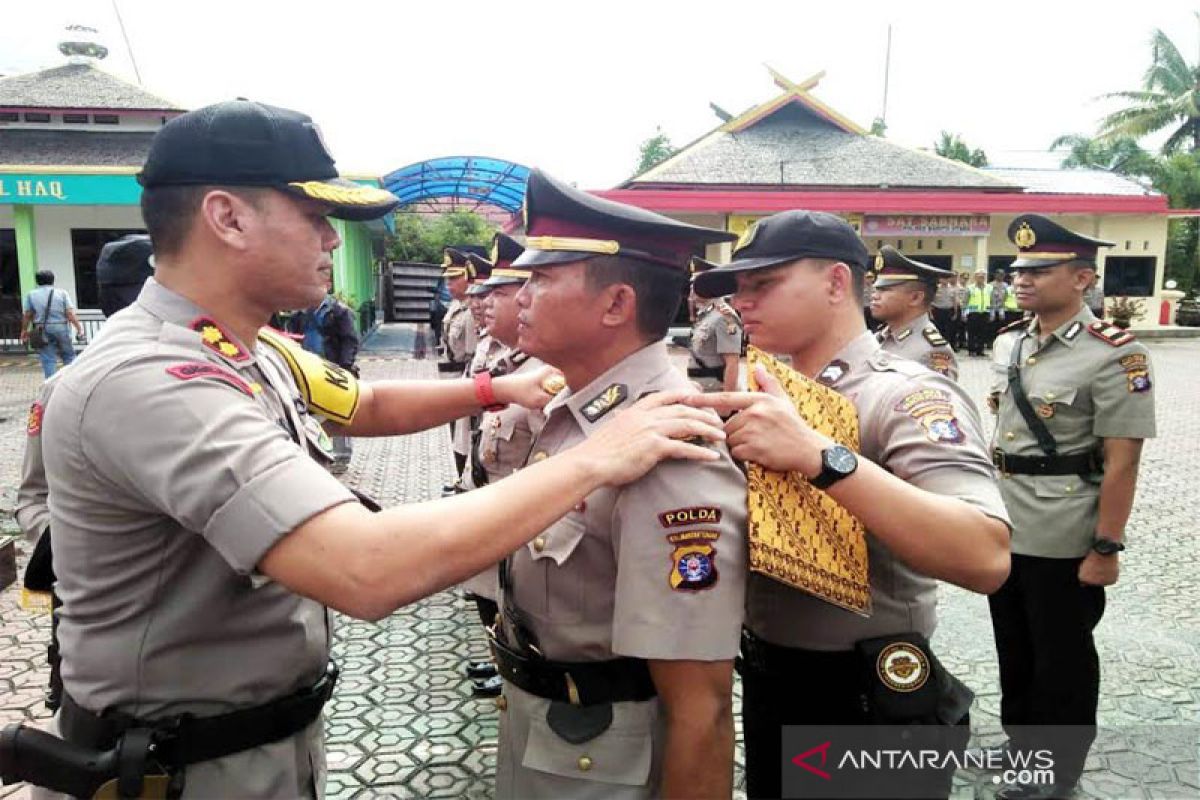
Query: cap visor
550, 258
1030, 263
351, 201
722, 280
504, 280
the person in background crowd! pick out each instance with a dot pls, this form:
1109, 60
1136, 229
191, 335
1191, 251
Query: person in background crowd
866, 301
962, 291
998, 304
979, 305
903, 291
942, 308
123, 266
716, 342
48, 312
1093, 298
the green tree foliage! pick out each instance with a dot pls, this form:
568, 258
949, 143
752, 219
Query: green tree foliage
878, 127
1123, 155
654, 151
1168, 100
951, 145
421, 238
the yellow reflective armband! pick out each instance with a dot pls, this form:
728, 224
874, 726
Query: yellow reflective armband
327, 389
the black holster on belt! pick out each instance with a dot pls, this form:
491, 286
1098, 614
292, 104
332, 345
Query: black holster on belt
706, 372
39, 572
904, 683
146, 758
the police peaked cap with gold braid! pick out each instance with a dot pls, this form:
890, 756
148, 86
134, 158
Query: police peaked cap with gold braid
1042, 242
482, 270
893, 268
506, 250
455, 264
564, 225
243, 143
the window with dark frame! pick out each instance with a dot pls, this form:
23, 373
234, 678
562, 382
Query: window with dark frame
10, 276
36, 116
1129, 276
75, 119
9, 116
106, 119
86, 244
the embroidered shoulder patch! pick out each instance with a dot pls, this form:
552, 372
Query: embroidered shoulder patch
933, 336
190, 370
213, 337
605, 402
934, 410
696, 515
1137, 372
833, 373
33, 425
693, 561
1134, 360
1110, 334
940, 362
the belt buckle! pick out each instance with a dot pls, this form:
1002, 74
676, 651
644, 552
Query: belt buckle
572, 690
998, 458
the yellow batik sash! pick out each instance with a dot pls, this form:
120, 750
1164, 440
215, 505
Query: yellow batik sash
799, 535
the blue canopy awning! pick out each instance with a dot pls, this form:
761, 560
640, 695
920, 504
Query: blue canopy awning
476, 179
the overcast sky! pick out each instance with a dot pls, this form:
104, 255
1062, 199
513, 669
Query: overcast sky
574, 87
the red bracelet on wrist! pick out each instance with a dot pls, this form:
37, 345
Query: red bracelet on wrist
484, 393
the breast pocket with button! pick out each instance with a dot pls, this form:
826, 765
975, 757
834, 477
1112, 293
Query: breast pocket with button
564, 590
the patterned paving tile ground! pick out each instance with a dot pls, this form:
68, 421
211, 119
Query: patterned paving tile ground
402, 723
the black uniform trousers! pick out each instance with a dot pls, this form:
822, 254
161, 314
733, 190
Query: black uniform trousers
979, 332
943, 319
818, 688
1043, 620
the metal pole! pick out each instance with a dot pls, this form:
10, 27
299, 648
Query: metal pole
887, 68
128, 46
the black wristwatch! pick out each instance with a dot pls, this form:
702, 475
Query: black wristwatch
837, 462
1107, 547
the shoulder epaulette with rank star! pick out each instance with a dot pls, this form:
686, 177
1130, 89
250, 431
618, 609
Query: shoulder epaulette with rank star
1012, 326
933, 336
1110, 334
213, 337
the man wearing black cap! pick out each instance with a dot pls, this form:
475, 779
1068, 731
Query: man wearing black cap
197, 539
922, 485
1074, 410
620, 621
123, 266
904, 290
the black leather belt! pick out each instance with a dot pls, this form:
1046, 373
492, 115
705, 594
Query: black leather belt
1087, 463
706, 372
184, 739
762, 656
452, 366
582, 683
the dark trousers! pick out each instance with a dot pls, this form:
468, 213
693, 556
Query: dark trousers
816, 689
979, 332
1049, 671
942, 319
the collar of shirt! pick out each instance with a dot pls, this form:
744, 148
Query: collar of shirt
173, 308
1084, 317
633, 372
914, 326
857, 351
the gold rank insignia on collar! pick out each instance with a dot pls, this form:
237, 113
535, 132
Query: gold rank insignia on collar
214, 337
605, 402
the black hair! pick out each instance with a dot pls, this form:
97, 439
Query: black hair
659, 289
169, 212
43, 277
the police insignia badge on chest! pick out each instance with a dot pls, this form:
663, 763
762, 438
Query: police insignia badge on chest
693, 561
903, 667
934, 409
605, 402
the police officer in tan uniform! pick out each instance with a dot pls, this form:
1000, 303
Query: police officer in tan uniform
716, 345
197, 540
459, 332
922, 484
619, 621
903, 292
503, 438
482, 359
1074, 411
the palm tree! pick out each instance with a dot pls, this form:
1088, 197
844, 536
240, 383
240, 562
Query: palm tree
951, 145
1122, 155
1169, 98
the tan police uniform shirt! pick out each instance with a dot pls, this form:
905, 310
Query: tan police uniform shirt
32, 510
177, 457
614, 578
1085, 388
716, 334
944, 297
924, 429
505, 442
919, 340
459, 335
